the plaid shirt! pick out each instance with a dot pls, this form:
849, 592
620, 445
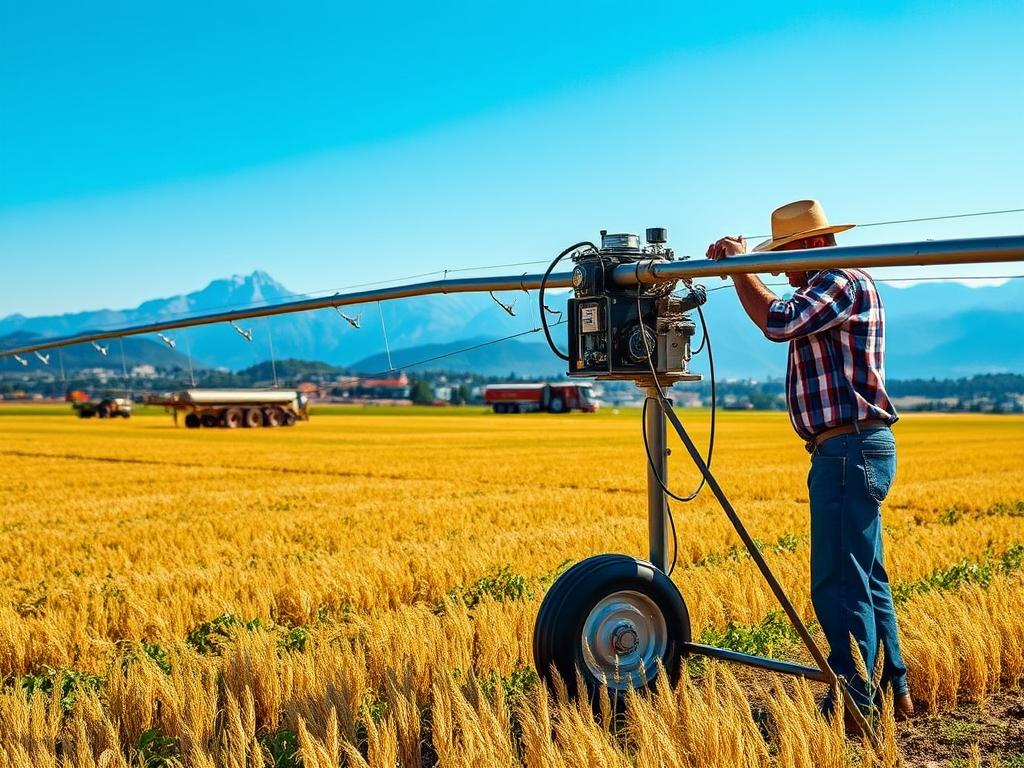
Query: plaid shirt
835, 327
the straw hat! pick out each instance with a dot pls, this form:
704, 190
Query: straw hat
796, 221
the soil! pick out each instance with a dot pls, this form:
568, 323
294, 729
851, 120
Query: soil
945, 740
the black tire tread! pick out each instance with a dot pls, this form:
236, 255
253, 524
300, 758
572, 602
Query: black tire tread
559, 621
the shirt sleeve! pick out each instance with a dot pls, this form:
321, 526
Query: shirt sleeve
826, 301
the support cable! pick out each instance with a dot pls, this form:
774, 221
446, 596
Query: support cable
63, 380
124, 367
459, 351
916, 221
273, 365
191, 373
387, 349
446, 272
533, 313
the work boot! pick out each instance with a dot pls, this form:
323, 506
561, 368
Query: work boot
903, 706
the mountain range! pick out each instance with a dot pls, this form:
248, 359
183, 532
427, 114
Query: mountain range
935, 330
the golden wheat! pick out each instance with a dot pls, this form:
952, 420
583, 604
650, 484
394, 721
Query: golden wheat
342, 557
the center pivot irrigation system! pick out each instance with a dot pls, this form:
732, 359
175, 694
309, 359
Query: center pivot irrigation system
614, 619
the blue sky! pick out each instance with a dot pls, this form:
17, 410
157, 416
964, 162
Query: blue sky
149, 148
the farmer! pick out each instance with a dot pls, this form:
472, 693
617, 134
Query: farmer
835, 392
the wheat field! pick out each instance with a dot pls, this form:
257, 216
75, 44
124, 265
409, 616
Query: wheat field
361, 589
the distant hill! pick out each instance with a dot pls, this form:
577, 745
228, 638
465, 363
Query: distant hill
939, 330
941, 299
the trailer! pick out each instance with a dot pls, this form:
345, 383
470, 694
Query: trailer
233, 408
559, 397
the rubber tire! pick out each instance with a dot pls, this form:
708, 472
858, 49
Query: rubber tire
232, 418
208, 420
273, 417
558, 634
252, 417
500, 408
192, 421
557, 405
290, 419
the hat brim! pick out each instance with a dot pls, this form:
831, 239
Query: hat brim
771, 245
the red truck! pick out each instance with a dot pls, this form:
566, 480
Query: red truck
530, 398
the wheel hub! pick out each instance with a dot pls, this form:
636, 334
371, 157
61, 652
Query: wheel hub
625, 636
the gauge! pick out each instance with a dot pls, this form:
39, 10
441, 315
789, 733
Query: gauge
579, 278
639, 349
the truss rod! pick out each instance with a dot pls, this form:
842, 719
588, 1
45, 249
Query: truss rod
924, 253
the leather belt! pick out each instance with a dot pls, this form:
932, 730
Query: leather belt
844, 429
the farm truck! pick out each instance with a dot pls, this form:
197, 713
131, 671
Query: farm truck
529, 398
107, 408
233, 408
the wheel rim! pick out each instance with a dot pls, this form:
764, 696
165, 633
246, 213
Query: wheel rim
625, 636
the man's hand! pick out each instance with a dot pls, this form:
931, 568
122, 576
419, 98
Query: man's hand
754, 296
727, 246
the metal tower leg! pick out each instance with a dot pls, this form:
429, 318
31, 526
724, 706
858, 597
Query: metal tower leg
657, 467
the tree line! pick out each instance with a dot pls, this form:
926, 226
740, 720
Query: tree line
995, 391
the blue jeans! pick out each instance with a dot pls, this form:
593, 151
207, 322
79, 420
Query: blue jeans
850, 477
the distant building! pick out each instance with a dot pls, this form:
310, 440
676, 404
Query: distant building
144, 372
396, 388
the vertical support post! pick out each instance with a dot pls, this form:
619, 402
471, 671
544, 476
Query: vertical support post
657, 474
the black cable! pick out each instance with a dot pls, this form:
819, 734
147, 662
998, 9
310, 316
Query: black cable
704, 328
543, 285
711, 374
666, 403
675, 538
666, 406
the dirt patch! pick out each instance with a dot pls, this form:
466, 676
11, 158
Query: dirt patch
944, 741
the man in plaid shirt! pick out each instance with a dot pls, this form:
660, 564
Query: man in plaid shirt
835, 392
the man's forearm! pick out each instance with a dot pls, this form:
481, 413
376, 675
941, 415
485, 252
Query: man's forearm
755, 298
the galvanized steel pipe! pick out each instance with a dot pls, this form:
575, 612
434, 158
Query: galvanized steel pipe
975, 250
646, 272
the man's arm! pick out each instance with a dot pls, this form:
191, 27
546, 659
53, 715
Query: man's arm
755, 298
754, 295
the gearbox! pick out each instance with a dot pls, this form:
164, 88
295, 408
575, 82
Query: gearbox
623, 332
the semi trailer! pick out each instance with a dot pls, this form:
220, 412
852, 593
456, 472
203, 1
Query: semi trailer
233, 408
529, 398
